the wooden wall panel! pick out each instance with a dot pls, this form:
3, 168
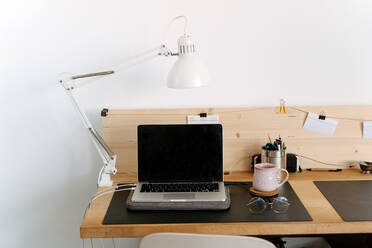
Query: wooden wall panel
245, 131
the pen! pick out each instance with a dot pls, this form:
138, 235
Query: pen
320, 169
269, 138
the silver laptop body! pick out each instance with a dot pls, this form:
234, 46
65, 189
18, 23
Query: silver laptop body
180, 163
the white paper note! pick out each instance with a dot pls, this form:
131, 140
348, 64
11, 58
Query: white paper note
196, 119
324, 127
367, 129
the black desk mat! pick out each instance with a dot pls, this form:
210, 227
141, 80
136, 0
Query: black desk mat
351, 199
118, 213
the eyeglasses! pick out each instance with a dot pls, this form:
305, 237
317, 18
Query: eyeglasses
257, 205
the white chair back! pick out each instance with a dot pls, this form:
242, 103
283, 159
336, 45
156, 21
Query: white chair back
184, 240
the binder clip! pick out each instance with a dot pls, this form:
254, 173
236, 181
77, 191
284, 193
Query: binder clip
322, 116
104, 112
282, 109
203, 115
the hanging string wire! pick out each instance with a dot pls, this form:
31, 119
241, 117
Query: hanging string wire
330, 116
255, 109
294, 108
325, 163
208, 112
247, 109
251, 110
237, 111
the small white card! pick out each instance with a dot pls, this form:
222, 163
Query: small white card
367, 129
324, 127
196, 119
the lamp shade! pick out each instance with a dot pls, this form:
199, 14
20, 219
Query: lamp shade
188, 71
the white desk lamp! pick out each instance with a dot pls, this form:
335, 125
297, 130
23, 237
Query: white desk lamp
187, 72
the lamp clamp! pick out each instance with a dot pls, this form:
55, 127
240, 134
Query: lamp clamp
68, 83
165, 51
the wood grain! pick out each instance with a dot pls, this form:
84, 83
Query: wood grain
245, 130
325, 218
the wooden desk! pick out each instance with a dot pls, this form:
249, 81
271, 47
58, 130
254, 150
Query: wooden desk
325, 218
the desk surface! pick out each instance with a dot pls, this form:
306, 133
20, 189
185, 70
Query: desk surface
325, 218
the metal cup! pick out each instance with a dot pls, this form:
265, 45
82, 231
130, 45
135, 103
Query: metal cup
276, 157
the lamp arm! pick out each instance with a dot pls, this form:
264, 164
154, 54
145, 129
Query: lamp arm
103, 73
107, 155
104, 151
71, 81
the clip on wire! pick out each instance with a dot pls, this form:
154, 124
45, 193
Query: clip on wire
322, 116
282, 109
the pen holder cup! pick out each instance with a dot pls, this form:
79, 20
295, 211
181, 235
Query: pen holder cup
277, 157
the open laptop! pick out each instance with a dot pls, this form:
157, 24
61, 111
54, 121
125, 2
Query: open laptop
180, 163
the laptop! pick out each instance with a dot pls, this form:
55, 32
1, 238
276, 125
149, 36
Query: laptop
180, 163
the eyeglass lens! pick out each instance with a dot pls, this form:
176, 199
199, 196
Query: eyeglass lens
280, 204
257, 205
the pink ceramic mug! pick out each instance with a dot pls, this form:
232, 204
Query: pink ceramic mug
265, 177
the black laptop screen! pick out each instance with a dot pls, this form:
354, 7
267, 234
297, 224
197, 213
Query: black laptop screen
180, 153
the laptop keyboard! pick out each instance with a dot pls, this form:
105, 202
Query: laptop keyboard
180, 187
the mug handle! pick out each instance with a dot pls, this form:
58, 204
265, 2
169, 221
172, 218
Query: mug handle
286, 178
255, 160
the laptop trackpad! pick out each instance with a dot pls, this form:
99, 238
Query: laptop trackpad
179, 196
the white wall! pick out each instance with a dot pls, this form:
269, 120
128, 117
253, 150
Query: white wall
309, 52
